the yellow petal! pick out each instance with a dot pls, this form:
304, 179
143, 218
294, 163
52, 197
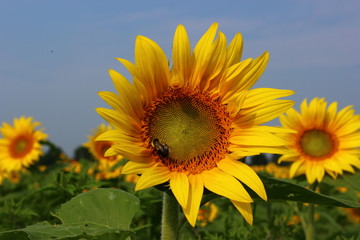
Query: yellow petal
293, 120
253, 137
331, 164
196, 189
235, 105
225, 185
234, 51
294, 169
135, 168
112, 99
245, 174
128, 95
128, 65
137, 83
263, 113
274, 129
343, 116
152, 65
261, 95
230, 81
319, 172
350, 141
179, 185
118, 136
331, 115
202, 52
245, 210
152, 177
350, 127
133, 152
310, 172
257, 68
119, 121
182, 59
289, 157
216, 63
344, 157
255, 150
111, 151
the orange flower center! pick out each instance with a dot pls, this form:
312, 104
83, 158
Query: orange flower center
21, 146
187, 130
317, 144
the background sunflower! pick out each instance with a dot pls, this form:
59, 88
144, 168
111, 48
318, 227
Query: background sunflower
98, 148
20, 144
325, 141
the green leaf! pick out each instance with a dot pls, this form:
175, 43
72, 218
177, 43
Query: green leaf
98, 214
110, 207
277, 189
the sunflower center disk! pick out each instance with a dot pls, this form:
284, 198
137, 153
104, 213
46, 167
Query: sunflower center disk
190, 127
317, 143
20, 146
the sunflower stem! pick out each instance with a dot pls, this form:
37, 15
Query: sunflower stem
170, 218
310, 226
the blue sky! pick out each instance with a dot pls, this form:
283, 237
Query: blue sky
54, 55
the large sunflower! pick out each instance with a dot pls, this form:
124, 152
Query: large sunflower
326, 141
20, 144
189, 124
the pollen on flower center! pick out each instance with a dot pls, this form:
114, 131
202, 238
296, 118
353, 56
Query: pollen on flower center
191, 127
317, 144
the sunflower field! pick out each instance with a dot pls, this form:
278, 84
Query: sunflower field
187, 152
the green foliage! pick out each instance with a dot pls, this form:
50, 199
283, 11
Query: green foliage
38, 193
278, 189
97, 214
58, 204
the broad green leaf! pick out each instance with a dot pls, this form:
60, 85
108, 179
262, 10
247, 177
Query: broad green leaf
100, 214
277, 189
109, 207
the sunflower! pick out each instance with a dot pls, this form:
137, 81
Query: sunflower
326, 141
189, 124
13, 176
20, 145
353, 214
98, 148
207, 214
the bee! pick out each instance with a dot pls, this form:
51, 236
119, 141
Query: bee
161, 148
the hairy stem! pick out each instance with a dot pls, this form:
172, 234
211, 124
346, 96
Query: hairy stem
170, 218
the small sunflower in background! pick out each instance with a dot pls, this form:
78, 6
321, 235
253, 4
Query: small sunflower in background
12, 176
207, 213
326, 141
20, 144
98, 148
353, 214
272, 169
277, 171
190, 123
